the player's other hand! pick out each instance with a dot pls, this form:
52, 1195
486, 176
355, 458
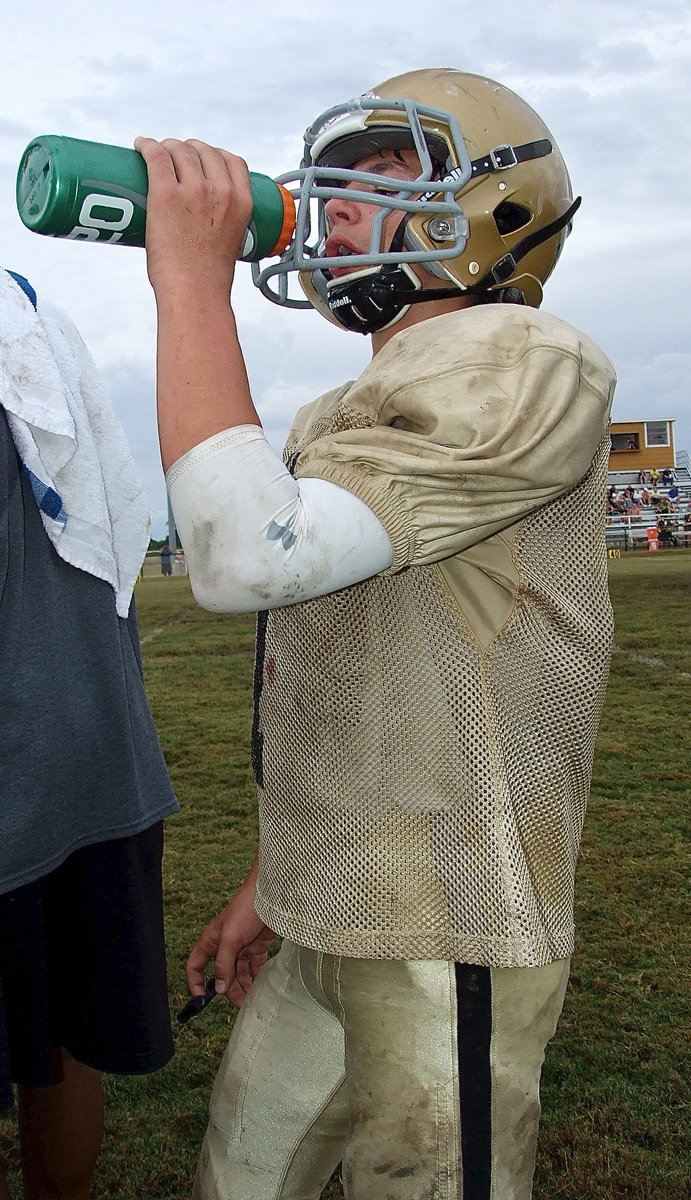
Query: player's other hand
238, 941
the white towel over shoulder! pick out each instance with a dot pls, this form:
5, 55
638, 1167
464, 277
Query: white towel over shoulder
90, 497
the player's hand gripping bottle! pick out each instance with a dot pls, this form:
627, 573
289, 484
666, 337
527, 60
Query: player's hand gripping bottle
88, 191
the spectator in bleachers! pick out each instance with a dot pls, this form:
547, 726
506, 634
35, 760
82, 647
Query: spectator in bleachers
645, 497
654, 477
613, 501
642, 477
667, 536
673, 495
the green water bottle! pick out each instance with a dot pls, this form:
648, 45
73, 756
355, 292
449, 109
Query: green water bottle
87, 191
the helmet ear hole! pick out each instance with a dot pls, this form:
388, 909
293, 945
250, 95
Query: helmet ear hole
509, 216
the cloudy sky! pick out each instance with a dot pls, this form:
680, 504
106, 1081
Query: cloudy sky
610, 78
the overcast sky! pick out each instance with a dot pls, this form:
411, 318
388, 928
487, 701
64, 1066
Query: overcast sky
609, 77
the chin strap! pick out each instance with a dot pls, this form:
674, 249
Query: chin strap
506, 266
373, 301
502, 270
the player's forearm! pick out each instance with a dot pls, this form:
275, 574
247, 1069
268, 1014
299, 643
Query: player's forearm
202, 385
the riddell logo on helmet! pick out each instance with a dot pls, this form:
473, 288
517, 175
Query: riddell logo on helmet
454, 173
338, 303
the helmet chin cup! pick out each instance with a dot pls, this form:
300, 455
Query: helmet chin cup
369, 300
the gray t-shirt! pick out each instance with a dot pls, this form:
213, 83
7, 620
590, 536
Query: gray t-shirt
80, 760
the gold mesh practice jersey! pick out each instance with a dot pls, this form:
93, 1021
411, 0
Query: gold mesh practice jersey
424, 739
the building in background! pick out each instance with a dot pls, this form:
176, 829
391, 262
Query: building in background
642, 445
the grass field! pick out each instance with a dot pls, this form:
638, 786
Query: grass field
616, 1119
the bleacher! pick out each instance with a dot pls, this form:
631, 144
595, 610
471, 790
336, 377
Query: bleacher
629, 531
623, 479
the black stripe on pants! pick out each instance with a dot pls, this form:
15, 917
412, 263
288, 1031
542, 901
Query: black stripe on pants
474, 1007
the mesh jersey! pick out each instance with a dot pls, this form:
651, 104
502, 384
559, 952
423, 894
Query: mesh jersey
424, 739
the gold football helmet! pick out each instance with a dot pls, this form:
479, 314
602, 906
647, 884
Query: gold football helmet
488, 213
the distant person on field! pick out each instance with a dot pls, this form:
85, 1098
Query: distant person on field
432, 648
83, 784
166, 554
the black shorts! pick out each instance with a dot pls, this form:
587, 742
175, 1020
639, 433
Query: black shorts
82, 965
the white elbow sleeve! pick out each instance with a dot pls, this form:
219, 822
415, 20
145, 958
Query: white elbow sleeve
256, 538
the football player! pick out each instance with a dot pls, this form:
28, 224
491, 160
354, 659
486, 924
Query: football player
433, 641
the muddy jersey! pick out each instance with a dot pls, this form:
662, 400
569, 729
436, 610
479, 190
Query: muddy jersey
424, 739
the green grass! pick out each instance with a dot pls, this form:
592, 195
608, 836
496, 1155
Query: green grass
616, 1082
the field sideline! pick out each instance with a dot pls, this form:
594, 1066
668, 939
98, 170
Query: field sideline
616, 1092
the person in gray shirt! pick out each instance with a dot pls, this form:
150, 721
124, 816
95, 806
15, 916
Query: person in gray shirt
83, 781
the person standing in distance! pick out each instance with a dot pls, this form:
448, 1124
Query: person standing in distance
433, 639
